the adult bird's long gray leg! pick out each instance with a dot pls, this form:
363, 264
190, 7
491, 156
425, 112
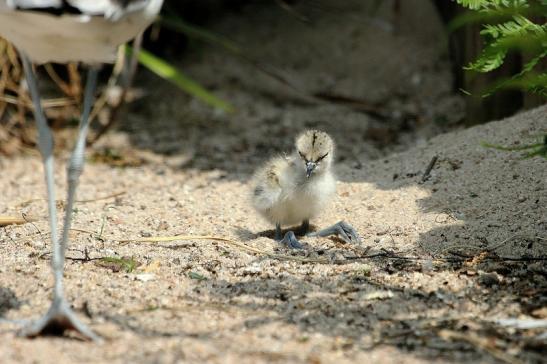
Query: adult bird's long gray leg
45, 145
342, 229
60, 316
289, 239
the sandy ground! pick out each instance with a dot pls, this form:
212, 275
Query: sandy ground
210, 301
441, 259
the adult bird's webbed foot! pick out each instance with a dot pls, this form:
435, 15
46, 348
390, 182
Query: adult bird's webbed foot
58, 319
341, 229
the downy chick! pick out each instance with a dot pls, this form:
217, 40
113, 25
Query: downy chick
292, 190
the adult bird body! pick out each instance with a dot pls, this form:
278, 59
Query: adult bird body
87, 31
74, 31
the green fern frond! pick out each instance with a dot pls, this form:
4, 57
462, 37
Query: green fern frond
519, 26
491, 58
504, 33
491, 4
514, 34
533, 62
532, 83
472, 4
507, 28
536, 84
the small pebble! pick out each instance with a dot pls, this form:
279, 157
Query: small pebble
382, 230
488, 279
386, 240
145, 277
254, 268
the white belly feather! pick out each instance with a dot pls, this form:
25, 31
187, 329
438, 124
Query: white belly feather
292, 204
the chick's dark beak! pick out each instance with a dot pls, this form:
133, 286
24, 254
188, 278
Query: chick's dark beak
310, 167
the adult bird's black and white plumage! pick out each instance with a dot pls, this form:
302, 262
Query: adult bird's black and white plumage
74, 30
61, 31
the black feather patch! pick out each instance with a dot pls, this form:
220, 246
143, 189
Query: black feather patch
321, 158
58, 8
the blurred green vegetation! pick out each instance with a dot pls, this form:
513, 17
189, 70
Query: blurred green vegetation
510, 26
170, 73
529, 150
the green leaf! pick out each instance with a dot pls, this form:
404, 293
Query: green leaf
510, 149
531, 150
197, 276
117, 264
175, 76
177, 24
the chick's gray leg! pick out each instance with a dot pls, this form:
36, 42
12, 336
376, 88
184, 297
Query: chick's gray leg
343, 230
278, 234
289, 239
304, 228
60, 316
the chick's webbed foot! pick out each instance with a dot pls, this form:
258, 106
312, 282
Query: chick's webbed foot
289, 239
341, 229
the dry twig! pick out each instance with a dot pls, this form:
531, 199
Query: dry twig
26, 203
226, 241
15, 220
430, 166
